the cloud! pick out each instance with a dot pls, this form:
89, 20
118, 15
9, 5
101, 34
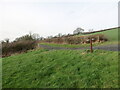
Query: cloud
36, 1
52, 18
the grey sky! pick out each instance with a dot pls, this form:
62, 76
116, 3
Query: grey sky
50, 17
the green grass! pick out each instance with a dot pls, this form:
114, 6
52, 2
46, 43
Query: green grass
0, 73
111, 34
79, 45
65, 45
61, 69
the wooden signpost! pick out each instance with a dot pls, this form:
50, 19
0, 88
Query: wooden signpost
91, 49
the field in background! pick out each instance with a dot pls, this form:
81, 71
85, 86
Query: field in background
61, 69
111, 34
79, 45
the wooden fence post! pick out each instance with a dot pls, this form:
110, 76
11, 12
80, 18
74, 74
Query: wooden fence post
91, 49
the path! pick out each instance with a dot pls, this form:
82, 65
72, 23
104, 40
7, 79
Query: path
106, 47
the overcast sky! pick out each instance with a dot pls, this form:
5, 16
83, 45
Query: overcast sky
50, 17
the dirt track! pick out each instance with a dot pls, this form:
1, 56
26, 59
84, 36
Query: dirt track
106, 47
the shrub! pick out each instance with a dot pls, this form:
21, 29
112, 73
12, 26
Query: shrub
17, 47
78, 40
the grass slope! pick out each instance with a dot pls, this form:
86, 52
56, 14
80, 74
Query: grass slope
61, 69
111, 34
79, 45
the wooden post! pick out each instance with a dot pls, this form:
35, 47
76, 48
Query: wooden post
91, 49
98, 38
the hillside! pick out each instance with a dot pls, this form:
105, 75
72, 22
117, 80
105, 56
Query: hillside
112, 34
61, 69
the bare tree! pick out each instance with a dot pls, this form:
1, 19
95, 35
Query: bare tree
59, 35
41, 38
30, 33
36, 36
7, 40
50, 37
90, 30
78, 31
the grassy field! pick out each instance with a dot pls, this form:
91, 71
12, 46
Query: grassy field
65, 45
61, 69
0, 73
78, 45
111, 34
